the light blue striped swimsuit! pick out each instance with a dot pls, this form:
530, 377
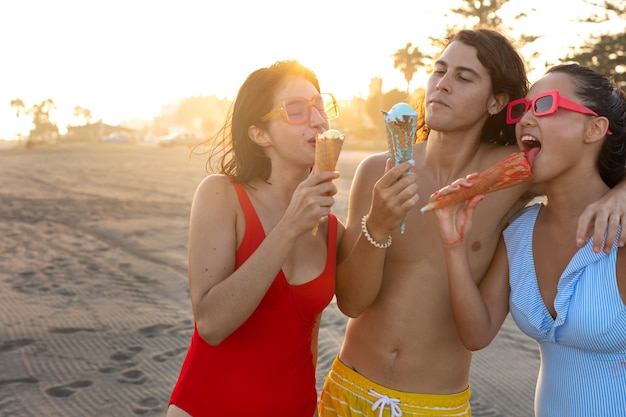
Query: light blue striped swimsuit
583, 350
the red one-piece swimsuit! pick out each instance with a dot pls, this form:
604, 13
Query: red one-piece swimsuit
265, 367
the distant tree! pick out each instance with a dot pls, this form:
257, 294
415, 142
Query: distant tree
82, 113
408, 60
357, 126
484, 13
606, 52
392, 97
19, 106
473, 13
374, 102
44, 130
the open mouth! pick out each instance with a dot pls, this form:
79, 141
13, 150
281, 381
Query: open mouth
531, 148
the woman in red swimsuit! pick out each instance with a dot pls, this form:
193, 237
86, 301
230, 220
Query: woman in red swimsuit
258, 278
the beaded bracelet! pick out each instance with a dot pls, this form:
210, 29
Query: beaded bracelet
370, 239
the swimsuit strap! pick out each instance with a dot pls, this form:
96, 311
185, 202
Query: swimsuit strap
332, 231
253, 223
252, 218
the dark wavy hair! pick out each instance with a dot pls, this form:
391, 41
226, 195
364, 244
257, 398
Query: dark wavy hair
231, 151
508, 75
602, 95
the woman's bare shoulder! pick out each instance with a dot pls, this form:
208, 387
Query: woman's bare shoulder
214, 188
215, 182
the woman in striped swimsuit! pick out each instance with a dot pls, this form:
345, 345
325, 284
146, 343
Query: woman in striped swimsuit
571, 300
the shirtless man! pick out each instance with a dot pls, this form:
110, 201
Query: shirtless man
401, 350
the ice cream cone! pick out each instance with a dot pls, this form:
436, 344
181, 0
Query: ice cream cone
512, 170
401, 123
327, 149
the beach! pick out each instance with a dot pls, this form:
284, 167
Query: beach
95, 317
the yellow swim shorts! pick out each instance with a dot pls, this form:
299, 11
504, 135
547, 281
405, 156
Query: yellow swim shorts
347, 393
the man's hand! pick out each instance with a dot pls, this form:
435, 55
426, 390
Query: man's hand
605, 215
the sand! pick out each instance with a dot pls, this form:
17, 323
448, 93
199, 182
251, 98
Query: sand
95, 316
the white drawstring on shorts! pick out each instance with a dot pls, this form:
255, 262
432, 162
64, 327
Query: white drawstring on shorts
383, 401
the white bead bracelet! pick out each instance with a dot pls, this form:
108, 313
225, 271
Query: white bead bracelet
370, 239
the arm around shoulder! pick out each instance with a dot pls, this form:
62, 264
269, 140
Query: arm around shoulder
605, 215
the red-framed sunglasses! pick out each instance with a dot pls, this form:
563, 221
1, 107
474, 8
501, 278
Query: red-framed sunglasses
543, 105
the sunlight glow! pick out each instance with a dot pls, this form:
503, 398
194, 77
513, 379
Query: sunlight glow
125, 59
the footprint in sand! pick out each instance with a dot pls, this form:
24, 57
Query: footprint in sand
70, 330
121, 359
129, 374
164, 356
152, 331
62, 391
25, 283
15, 344
184, 329
128, 354
133, 376
146, 405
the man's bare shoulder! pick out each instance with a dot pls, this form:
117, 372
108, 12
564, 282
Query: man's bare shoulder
489, 153
376, 158
373, 165
521, 194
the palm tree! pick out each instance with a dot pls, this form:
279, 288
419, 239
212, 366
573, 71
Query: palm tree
81, 112
41, 114
19, 106
408, 60
44, 130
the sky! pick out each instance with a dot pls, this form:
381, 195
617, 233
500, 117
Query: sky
125, 59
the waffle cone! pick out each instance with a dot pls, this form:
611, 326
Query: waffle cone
327, 149
327, 152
